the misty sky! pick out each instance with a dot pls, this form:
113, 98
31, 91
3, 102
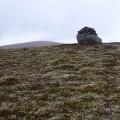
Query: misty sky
57, 20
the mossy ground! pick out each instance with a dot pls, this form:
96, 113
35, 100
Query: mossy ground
66, 82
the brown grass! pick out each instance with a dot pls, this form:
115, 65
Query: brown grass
65, 82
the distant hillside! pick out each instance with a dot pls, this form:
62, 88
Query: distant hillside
30, 44
64, 82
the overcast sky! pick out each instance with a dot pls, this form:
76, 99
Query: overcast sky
57, 20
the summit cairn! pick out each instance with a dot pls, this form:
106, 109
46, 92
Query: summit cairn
88, 36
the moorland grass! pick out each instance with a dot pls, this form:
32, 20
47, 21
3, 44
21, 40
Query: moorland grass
65, 82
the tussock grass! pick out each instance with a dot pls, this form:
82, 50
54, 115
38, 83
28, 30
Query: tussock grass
65, 82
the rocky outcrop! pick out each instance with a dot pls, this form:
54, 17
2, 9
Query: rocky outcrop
88, 36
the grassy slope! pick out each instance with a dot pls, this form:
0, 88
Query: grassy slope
66, 82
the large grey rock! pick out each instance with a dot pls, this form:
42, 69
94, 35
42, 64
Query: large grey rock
88, 36
88, 39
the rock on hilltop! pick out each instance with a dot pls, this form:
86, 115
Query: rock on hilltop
88, 36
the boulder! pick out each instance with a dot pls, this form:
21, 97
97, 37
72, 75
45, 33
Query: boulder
88, 36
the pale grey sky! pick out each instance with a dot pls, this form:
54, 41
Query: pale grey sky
57, 20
